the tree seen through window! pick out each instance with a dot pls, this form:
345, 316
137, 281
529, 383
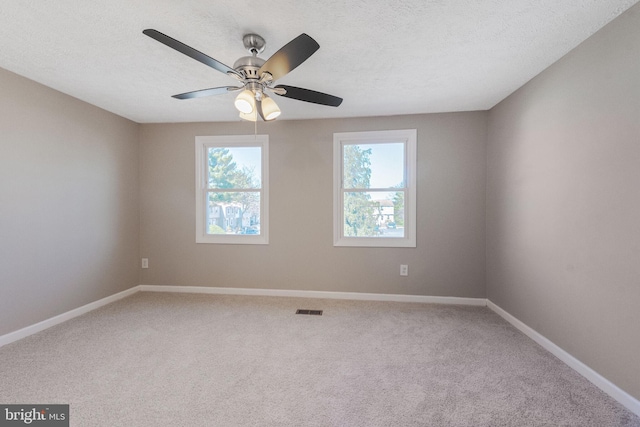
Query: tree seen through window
370, 172
233, 205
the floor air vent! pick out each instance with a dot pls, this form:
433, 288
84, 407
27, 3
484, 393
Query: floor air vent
311, 312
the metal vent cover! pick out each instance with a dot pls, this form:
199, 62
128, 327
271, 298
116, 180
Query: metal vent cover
309, 312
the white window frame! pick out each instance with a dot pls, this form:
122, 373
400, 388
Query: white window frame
203, 143
409, 138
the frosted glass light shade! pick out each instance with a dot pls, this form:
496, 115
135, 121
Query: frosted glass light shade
252, 117
270, 109
245, 102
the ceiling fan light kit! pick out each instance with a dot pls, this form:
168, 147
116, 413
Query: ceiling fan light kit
256, 75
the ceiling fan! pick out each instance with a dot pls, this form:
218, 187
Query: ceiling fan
256, 76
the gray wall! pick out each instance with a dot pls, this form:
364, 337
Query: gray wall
449, 258
69, 212
563, 202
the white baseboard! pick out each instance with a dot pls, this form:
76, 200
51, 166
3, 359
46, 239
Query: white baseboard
598, 380
316, 294
45, 324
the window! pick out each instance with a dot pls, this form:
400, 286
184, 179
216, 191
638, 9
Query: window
374, 188
232, 183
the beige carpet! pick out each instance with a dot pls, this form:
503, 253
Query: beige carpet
158, 359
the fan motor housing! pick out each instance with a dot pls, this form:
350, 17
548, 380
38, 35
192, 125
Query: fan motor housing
249, 66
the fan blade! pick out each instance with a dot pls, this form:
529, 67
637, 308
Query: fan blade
308, 95
290, 56
189, 51
207, 92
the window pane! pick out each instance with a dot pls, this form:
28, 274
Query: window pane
373, 165
233, 213
374, 214
234, 167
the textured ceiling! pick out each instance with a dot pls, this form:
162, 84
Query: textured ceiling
383, 57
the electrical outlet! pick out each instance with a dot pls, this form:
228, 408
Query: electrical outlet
404, 270
145, 262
